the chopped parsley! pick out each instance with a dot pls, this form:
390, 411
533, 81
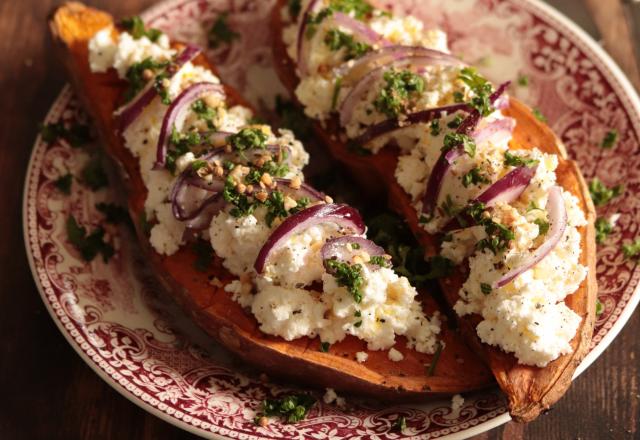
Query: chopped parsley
93, 175
63, 183
400, 86
498, 236
113, 213
449, 207
434, 127
631, 250
295, 6
135, 26
248, 138
481, 89
182, 144
77, 135
474, 177
90, 245
603, 229
513, 160
336, 39
539, 116
274, 169
324, 347
347, 275
220, 32
400, 424
275, 207
455, 122
523, 80
136, 77
293, 119
434, 361
379, 260
439, 267
543, 226
453, 140
159, 85
600, 194
599, 307
359, 8
292, 408
485, 288
204, 255
610, 139
242, 207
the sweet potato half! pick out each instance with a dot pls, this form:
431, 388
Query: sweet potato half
530, 390
458, 369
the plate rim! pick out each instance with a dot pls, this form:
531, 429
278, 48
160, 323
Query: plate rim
622, 83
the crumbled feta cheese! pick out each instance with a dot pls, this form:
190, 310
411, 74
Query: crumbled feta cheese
395, 355
241, 292
456, 403
330, 396
362, 356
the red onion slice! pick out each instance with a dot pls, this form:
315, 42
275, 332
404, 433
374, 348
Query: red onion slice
557, 213
305, 190
300, 42
210, 208
446, 159
392, 124
352, 73
190, 193
360, 30
364, 84
130, 111
178, 109
496, 131
343, 215
505, 190
338, 249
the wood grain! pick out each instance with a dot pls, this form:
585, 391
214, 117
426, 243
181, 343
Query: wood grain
50, 393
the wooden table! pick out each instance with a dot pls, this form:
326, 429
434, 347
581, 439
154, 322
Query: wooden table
48, 392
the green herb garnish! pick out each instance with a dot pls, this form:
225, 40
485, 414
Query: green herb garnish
336, 39
291, 408
220, 32
453, 140
511, 159
93, 175
400, 424
603, 229
610, 139
204, 112
599, 307
63, 183
539, 116
347, 275
481, 89
336, 92
631, 250
523, 80
543, 226
474, 177
359, 8
434, 361
400, 86
379, 260
455, 122
88, 245
242, 207
136, 76
449, 207
600, 194
434, 127
295, 6
135, 26
485, 288
247, 139
324, 347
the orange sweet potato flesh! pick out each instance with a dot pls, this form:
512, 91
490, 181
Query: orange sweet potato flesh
530, 390
458, 369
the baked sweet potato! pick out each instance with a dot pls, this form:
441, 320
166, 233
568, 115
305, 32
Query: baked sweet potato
458, 369
530, 389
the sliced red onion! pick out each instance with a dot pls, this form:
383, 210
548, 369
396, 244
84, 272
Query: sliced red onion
360, 30
509, 187
495, 131
363, 86
557, 213
338, 249
190, 193
305, 190
343, 215
300, 42
130, 111
392, 124
352, 73
442, 166
505, 190
177, 110
210, 208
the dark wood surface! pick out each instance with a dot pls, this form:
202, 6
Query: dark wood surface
48, 392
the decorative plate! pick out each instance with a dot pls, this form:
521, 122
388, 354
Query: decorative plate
117, 319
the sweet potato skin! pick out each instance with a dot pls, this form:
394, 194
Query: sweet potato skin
530, 390
72, 26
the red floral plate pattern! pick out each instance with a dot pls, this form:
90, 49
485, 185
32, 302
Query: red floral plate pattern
119, 323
